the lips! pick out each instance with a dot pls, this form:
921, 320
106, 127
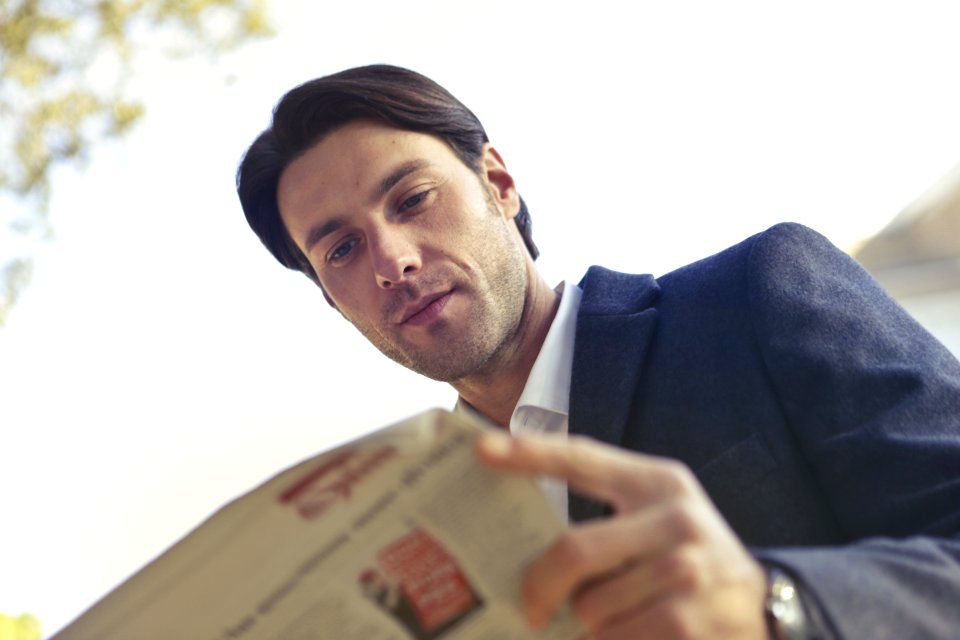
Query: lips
425, 309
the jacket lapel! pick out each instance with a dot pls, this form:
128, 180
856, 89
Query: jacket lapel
615, 325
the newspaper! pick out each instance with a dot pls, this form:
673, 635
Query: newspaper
400, 535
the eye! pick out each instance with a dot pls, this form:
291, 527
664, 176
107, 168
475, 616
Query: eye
342, 250
413, 201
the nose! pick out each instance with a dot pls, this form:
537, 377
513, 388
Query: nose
395, 257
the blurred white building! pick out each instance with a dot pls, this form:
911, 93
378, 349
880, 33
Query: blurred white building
917, 258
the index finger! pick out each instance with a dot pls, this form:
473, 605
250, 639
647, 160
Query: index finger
624, 479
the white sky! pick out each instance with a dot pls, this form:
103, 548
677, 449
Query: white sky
161, 362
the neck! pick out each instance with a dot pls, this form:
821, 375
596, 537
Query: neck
495, 390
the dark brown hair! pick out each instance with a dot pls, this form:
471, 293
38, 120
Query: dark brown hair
399, 97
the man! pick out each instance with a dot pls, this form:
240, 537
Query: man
780, 426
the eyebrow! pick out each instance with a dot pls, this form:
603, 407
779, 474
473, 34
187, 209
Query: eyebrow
318, 232
399, 174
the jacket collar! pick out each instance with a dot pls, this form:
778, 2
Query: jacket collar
614, 328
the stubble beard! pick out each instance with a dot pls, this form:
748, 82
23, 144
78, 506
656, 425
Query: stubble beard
498, 305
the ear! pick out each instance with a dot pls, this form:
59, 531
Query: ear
500, 183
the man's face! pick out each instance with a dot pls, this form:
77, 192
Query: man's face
414, 248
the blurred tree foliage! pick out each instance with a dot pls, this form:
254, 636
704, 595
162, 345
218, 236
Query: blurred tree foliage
22, 627
64, 71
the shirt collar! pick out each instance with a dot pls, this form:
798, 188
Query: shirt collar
548, 385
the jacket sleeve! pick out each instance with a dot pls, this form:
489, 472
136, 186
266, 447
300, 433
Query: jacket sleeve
873, 401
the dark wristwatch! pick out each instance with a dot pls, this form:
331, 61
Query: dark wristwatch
783, 608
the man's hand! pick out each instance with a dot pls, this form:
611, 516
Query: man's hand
666, 565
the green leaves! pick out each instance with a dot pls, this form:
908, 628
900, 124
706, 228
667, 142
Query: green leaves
22, 627
64, 70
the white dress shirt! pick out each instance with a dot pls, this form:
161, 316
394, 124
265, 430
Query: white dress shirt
544, 404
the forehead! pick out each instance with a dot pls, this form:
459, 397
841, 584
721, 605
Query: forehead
351, 162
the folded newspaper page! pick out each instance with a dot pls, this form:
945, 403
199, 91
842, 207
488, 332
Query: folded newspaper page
400, 535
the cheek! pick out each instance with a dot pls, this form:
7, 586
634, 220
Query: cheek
348, 303
346, 294
460, 232
362, 317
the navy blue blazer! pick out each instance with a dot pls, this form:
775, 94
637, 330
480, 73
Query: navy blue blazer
822, 420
